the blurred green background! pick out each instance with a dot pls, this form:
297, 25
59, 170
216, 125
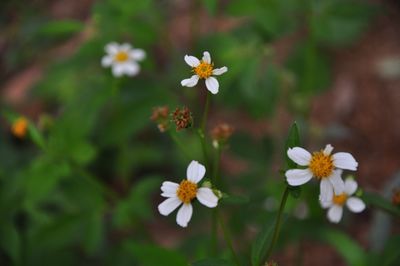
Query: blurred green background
83, 186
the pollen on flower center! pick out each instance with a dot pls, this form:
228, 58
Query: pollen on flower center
340, 199
321, 165
187, 191
203, 70
121, 57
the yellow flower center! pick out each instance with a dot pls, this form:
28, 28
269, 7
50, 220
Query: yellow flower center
321, 165
187, 191
121, 56
20, 127
340, 199
204, 70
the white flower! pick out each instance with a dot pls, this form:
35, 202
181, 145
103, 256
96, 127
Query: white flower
123, 59
335, 204
204, 69
321, 165
184, 193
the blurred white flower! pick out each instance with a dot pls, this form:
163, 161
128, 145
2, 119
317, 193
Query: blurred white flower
323, 166
335, 204
185, 192
203, 69
123, 59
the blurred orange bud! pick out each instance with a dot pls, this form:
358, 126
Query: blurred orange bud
20, 127
160, 116
222, 132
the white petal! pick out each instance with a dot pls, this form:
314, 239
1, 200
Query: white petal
219, 71
118, 70
195, 171
207, 197
184, 214
112, 48
297, 177
169, 205
326, 204
191, 82
337, 182
328, 149
212, 85
131, 69
169, 189
126, 47
355, 204
137, 54
106, 61
350, 186
345, 160
299, 155
192, 61
335, 213
326, 191
206, 57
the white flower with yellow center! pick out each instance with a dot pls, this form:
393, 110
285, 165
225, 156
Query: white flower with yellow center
336, 203
122, 59
184, 193
203, 69
322, 165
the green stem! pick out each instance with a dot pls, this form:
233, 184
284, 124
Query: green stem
217, 160
214, 232
228, 240
214, 220
202, 138
277, 223
205, 114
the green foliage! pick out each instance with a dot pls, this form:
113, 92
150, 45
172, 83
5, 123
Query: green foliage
259, 247
82, 187
212, 262
151, 255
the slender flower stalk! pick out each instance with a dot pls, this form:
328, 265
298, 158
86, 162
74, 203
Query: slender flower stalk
205, 114
277, 224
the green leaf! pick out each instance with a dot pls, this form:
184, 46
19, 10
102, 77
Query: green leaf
381, 203
338, 22
36, 136
138, 203
311, 68
10, 241
212, 262
235, 199
347, 247
211, 6
259, 247
60, 28
293, 140
151, 255
391, 254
